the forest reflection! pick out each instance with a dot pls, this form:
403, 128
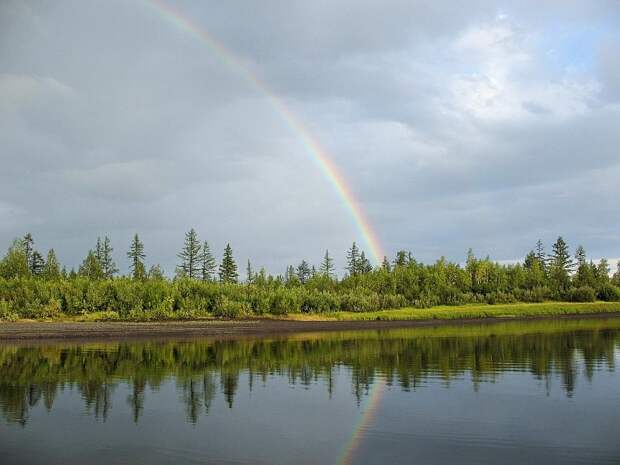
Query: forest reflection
32, 376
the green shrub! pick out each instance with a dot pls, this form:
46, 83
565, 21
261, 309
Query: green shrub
259, 301
227, 308
6, 312
360, 302
284, 301
609, 293
582, 294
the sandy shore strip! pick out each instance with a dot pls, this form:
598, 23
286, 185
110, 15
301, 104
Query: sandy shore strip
27, 330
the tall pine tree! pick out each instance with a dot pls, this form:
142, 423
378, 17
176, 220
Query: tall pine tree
208, 265
228, 267
190, 256
51, 270
303, 272
37, 263
136, 257
327, 266
561, 265
249, 273
28, 243
103, 253
91, 267
353, 260
364, 264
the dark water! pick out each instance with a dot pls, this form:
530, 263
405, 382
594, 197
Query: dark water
515, 393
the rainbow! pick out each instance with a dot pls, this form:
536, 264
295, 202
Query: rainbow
317, 153
374, 398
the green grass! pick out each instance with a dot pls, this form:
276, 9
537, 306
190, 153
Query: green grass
482, 311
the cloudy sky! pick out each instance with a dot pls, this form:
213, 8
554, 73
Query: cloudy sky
456, 124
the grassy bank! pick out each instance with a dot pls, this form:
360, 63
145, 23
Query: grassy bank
463, 312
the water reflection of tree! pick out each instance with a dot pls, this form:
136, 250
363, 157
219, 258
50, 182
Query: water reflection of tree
30, 376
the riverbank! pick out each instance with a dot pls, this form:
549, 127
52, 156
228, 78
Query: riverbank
297, 323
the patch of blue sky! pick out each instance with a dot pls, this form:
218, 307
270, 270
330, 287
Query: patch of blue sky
575, 47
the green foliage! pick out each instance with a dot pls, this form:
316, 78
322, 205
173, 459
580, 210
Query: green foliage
407, 283
582, 294
229, 308
155, 272
136, 257
208, 265
103, 252
190, 256
561, 266
228, 267
91, 267
609, 293
51, 270
15, 262
303, 272
327, 265
6, 312
353, 260
37, 264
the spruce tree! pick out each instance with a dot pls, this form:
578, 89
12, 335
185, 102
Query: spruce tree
353, 260
208, 265
290, 276
260, 278
580, 256
249, 273
303, 272
36, 263
530, 258
136, 257
99, 250
561, 265
155, 272
103, 253
561, 256
385, 265
33, 257
402, 258
541, 255
616, 278
327, 266
51, 270
228, 267
364, 264
28, 243
602, 272
190, 256
91, 267
585, 275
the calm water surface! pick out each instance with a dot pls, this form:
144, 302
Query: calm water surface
513, 393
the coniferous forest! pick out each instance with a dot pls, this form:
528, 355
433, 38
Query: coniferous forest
36, 285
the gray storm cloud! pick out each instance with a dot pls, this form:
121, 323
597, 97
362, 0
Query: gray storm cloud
484, 125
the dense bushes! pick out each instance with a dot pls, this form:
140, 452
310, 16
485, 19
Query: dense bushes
609, 293
182, 298
157, 299
582, 294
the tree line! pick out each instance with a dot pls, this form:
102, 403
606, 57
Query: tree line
32, 284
